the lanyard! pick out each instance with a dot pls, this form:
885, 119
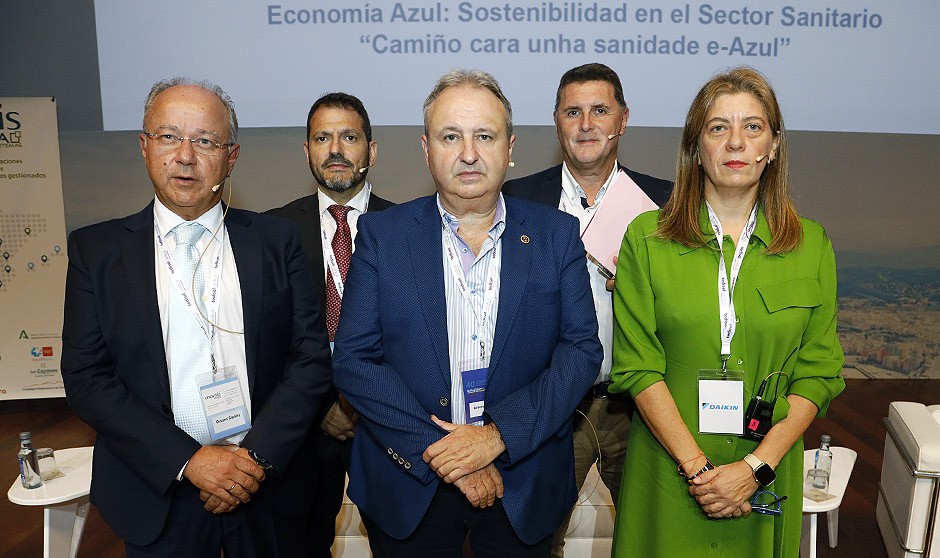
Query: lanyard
726, 282
212, 305
330, 256
489, 289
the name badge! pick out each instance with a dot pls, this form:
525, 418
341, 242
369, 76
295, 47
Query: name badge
223, 403
474, 390
721, 402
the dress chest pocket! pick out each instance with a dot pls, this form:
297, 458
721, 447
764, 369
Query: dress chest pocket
792, 293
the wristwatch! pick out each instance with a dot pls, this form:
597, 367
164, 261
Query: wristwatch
763, 473
262, 462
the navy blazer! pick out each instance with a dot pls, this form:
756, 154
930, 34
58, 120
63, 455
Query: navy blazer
545, 186
115, 372
391, 362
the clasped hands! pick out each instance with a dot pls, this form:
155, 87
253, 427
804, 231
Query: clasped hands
724, 491
226, 477
464, 457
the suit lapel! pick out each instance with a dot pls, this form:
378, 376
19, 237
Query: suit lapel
246, 249
137, 253
513, 277
550, 191
424, 245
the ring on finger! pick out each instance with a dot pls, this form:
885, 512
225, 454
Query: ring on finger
234, 484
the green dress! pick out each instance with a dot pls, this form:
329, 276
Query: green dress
666, 329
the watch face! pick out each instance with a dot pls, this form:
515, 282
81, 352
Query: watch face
764, 474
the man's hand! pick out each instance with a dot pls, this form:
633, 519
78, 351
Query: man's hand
482, 487
724, 491
340, 420
226, 475
463, 450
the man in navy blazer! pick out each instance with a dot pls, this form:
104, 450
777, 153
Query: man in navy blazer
340, 151
590, 117
462, 350
159, 488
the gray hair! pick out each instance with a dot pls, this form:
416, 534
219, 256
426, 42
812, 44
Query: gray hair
165, 84
471, 78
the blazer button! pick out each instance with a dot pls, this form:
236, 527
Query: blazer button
444, 402
407, 464
166, 409
401, 460
395, 456
390, 451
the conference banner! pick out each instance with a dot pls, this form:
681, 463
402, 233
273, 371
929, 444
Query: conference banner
839, 65
33, 257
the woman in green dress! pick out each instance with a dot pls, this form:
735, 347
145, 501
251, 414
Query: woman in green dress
717, 291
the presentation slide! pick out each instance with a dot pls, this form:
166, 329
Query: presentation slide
837, 65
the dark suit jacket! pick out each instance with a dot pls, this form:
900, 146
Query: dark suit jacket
545, 186
391, 360
305, 212
115, 372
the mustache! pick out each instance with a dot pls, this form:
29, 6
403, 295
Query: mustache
336, 158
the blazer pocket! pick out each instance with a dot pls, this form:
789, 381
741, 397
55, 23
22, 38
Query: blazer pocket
276, 299
792, 293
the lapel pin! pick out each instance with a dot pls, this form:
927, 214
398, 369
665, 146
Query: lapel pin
524, 238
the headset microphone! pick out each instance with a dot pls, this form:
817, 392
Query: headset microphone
364, 169
612, 136
219, 185
760, 158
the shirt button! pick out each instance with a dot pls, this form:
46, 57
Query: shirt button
740, 361
730, 441
474, 337
464, 250
444, 402
714, 545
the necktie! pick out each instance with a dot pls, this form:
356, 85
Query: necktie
187, 344
342, 249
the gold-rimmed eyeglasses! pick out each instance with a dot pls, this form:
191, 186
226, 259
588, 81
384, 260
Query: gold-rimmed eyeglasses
202, 145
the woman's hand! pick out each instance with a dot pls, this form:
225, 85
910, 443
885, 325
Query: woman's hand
725, 490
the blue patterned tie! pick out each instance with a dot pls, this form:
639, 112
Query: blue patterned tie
187, 344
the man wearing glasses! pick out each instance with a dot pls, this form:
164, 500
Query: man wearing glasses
194, 346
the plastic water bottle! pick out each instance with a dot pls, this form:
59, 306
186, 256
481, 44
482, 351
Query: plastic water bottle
29, 462
823, 465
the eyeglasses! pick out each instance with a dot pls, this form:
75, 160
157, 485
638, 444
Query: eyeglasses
203, 146
767, 503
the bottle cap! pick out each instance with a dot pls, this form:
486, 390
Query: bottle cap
826, 438
25, 436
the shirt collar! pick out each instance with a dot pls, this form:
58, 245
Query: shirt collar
574, 191
167, 220
359, 202
761, 229
499, 222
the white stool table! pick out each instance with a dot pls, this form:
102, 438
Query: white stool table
843, 461
65, 499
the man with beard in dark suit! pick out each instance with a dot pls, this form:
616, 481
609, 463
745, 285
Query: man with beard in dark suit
340, 151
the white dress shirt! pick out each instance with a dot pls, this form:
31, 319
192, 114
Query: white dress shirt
228, 347
359, 204
570, 202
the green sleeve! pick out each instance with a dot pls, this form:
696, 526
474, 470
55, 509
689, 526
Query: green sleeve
639, 360
817, 375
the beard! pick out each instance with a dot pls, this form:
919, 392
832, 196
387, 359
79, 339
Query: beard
339, 184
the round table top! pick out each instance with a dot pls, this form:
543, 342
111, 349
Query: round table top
75, 465
843, 461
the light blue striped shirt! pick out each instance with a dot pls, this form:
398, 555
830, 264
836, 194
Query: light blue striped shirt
464, 334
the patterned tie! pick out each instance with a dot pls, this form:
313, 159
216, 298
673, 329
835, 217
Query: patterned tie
342, 249
187, 345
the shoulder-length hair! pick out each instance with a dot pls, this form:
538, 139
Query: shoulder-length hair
679, 219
